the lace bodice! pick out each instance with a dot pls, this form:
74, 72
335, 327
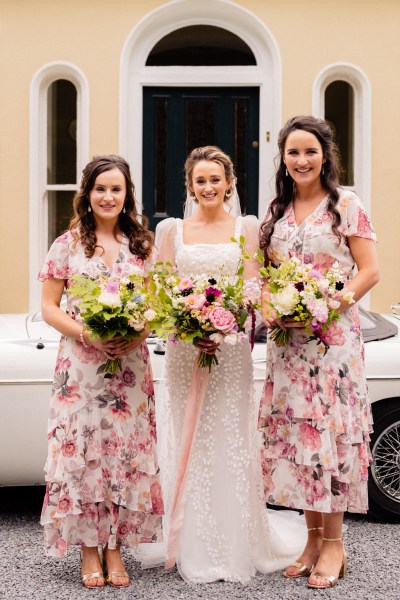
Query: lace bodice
207, 259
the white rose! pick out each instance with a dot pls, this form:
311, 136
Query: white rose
333, 304
109, 299
216, 337
231, 339
286, 300
149, 314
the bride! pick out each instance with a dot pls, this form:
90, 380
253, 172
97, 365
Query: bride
221, 529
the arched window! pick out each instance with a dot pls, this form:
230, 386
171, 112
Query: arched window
339, 111
342, 95
59, 140
61, 155
200, 45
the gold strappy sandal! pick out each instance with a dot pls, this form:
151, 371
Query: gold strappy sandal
108, 575
95, 575
303, 570
331, 580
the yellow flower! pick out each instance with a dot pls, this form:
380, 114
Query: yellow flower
282, 499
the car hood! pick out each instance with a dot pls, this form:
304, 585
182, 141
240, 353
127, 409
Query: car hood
13, 327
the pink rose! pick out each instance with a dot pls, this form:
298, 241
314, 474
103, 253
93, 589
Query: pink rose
64, 503
156, 498
69, 448
129, 377
62, 364
221, 319
147, 384
87, 355
364, 228
123, 529
310, 437
195, 301
112, 287
333, 335
185, 284
61, 546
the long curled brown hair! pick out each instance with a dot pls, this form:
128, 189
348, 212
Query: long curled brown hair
82, 224
284, 185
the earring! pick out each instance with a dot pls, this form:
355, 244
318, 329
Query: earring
123, 210
89, 208
228, 194
286, 173
323, 170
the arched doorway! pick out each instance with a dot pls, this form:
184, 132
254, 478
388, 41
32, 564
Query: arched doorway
178, 119
263, 74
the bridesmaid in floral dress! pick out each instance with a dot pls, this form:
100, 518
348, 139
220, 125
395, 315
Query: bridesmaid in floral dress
315, 413
101, 471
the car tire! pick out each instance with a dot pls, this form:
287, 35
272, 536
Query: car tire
384, 476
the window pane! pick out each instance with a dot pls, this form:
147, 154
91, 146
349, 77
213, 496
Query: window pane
160, 119
60, 212
201, 45
339, 111
240, 152
61, 132
200, 119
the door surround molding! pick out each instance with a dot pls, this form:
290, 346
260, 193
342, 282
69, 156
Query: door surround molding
266, 74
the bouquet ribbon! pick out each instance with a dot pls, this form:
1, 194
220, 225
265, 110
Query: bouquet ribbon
197, 393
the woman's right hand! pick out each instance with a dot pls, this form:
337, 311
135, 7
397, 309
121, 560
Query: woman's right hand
208, 346
106, 346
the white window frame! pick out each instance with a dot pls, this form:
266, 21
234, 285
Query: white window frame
38, 211
361, 87
266, 74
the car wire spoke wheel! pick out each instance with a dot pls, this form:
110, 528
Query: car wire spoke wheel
386, 466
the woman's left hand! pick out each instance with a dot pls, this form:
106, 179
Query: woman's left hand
208, 346
119, 346
290, 324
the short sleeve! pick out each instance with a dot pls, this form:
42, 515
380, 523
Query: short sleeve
165, 240
250, 231
56, 264
150, 260
356, 221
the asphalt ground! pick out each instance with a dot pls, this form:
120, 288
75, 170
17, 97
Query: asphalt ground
26, 573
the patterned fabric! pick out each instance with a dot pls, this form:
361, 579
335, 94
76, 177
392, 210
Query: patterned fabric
101, 469
315, 414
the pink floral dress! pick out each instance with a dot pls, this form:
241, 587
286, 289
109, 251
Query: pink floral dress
315, 413
101, 470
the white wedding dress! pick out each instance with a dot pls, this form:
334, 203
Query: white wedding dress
226, 533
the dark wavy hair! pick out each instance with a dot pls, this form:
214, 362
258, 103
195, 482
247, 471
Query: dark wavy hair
82, 224
284, 186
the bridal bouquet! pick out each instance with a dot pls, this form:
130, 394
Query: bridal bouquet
112, 307
198, 307
305, 294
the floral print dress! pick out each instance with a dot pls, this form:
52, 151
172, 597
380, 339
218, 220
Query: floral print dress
315, 414
101, 470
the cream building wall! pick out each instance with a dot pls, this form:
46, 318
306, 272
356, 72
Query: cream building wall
91, 35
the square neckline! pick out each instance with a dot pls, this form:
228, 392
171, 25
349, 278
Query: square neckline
236, 232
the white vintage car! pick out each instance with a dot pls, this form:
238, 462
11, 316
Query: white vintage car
28, 348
